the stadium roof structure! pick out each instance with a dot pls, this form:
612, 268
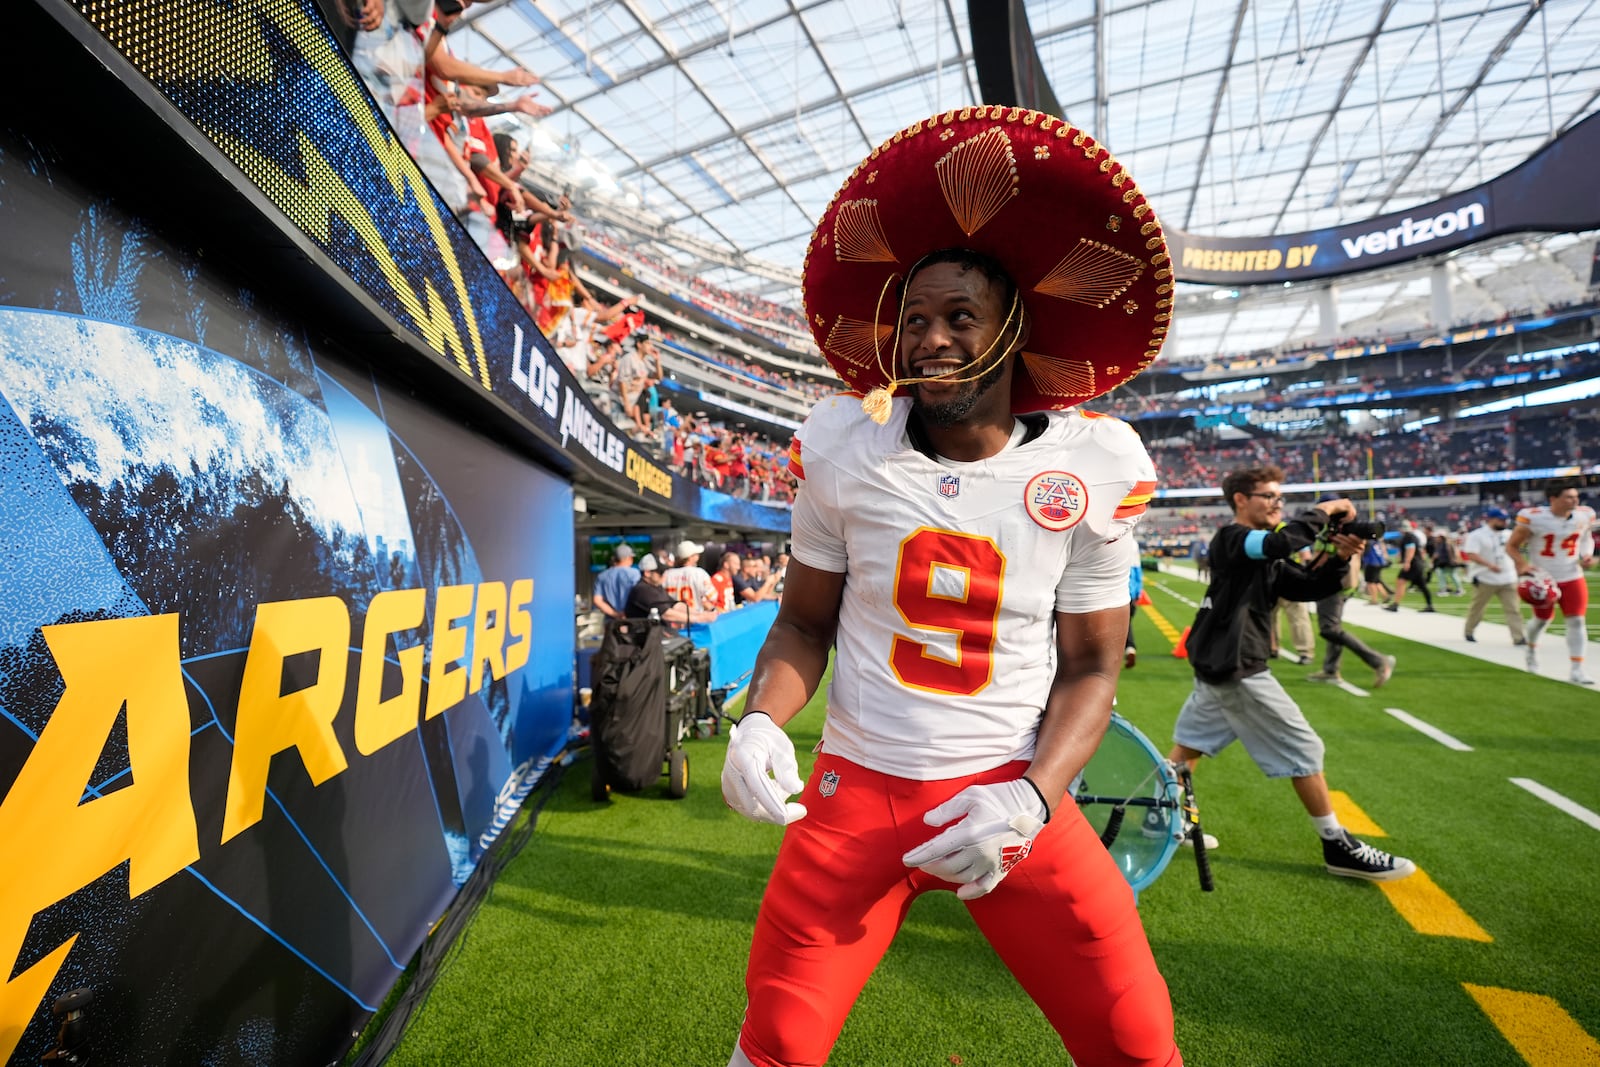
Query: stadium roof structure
720, 129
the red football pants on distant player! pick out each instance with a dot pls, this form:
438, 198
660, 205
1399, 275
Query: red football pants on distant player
1063, 920
1574, 600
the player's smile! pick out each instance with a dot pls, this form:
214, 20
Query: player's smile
952, 318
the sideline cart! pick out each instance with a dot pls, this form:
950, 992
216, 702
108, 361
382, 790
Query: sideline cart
650, 690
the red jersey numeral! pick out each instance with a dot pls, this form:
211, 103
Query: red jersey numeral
949, 582
1569, 545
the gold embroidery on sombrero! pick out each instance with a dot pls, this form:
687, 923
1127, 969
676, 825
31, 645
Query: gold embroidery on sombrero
857, 341
978, 176
1092, 273
858, 234
1060, 377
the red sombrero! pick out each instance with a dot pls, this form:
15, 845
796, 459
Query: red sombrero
1037, 194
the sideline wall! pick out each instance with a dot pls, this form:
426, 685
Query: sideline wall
287, 633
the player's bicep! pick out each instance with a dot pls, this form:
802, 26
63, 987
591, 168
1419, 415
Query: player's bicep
1090, 642
810, 604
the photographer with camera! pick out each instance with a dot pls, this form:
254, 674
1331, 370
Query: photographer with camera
1330, 622
1235, 697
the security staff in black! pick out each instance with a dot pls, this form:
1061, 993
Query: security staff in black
1235, 697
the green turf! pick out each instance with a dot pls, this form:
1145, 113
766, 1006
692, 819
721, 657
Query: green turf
619, 936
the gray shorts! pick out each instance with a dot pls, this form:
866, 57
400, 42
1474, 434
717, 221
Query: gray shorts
1260, 715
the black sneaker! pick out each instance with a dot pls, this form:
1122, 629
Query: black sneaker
1350, 858
1157, 823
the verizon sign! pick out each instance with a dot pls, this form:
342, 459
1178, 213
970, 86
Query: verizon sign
1411, 231
1554, 191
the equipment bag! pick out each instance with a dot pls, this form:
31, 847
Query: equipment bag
627, 713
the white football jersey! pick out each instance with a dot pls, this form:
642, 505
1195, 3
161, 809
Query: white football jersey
945, 649
1557, 544
691, 586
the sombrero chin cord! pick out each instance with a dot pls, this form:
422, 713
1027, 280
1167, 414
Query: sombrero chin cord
876, 404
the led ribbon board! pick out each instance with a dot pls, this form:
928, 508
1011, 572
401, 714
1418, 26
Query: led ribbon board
1554, 192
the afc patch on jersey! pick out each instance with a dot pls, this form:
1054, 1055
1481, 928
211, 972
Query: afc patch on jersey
1056, 500
950, 485
829, 784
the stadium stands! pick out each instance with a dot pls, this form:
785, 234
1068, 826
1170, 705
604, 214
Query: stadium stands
731, 374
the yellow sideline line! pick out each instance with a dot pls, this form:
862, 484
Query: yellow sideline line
1430, 910
1351, 817
1418, 899
1167, 629
1537, 1026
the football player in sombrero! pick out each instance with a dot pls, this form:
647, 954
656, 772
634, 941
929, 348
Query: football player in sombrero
961, 539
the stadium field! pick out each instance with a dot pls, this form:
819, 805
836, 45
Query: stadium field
618, 936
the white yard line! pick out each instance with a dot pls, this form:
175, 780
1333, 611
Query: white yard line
1554, 799
1353, 690
1432, 731
1173, 593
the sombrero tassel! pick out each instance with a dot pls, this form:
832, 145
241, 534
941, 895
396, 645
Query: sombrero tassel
876, 404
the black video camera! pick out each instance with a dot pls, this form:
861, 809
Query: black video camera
1366, 529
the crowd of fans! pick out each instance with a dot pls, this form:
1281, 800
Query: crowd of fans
1331, 380
776, 322
739, 462
1509, 441
438, 105
1298, 349
754, 375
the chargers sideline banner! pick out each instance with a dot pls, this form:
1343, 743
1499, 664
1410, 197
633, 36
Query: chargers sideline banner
281, 650
281, 109
1554, 191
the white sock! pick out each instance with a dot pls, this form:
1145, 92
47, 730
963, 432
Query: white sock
1535, 628
1327, 826
1577, 638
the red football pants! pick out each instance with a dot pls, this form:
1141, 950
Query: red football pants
1063, 920
1574, 600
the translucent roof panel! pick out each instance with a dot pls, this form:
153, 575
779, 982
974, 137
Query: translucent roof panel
727, 125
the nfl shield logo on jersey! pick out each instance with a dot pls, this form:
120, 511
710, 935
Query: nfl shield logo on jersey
830, 783
950, 485
1056, 500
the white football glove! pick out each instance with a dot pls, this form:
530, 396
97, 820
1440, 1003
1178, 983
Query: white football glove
1001, 822
757, 745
